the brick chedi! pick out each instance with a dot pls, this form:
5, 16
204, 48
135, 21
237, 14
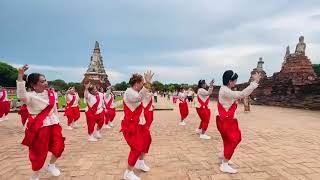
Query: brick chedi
96, 73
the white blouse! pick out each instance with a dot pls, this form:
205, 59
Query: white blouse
36, 102
146, 100
204, 94
182, 96
133, 99
91, 100
69, 99
227, 97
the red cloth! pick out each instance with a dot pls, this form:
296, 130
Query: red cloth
72, 113
48, 138
229, 129
204, 113
4, 105
110, 112
93, 118
133, 132
34, 124
148, 115
184, 110
24, 113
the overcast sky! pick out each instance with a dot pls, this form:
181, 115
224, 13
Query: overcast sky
182, 41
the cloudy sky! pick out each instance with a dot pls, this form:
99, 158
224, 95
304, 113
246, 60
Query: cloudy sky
181, 41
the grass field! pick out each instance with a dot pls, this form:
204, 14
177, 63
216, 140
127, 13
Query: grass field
62, 101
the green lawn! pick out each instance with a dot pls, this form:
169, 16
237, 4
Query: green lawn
62, 101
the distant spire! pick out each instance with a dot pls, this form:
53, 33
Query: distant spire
96, 46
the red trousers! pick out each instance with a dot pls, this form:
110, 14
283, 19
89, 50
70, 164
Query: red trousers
230, 133
139, 141
48, 138
204, 114
4, 108
73, 114
184, 111
93, 119
109, 115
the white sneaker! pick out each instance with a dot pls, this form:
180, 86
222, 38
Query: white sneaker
225, 167
6, 118
198, 131
97, 135
221, 157
141, 165
75, 125
129, 175
204, 136
53, 170
69, 128
182, 123
110, 124
1, 119
92, 138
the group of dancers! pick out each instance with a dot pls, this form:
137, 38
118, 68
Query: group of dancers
43, 132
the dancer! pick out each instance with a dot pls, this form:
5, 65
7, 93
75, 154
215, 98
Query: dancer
183, 106
4, 104
110, 110
133, 124
203, 110
94, 112
72, 111
226, 118
43, 132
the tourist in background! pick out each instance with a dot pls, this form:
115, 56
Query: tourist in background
155, 96
175, 97
72, 110
43, 132
183, 105
226, 118
4, 104
133, 123
246, 104
203, 110
94, 112
189, 94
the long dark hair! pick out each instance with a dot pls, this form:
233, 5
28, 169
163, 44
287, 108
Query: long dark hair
32, 79
229, 76
200, 83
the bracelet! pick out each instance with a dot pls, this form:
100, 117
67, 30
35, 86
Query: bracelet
147, 85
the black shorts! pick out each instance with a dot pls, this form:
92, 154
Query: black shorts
190, 99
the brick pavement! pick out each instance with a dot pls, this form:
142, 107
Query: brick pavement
278, 143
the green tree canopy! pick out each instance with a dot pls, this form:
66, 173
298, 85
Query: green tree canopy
121, 86
316, 68
8, 75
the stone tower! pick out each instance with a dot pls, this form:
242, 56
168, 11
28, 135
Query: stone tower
297, 67
259, 69
96, 73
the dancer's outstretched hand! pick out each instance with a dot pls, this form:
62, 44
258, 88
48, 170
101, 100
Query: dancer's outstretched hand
22, 71
256, 77
212, 82
148, 76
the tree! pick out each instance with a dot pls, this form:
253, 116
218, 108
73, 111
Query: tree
158, 86
121, 86
316, 68
8, 75
58, 85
